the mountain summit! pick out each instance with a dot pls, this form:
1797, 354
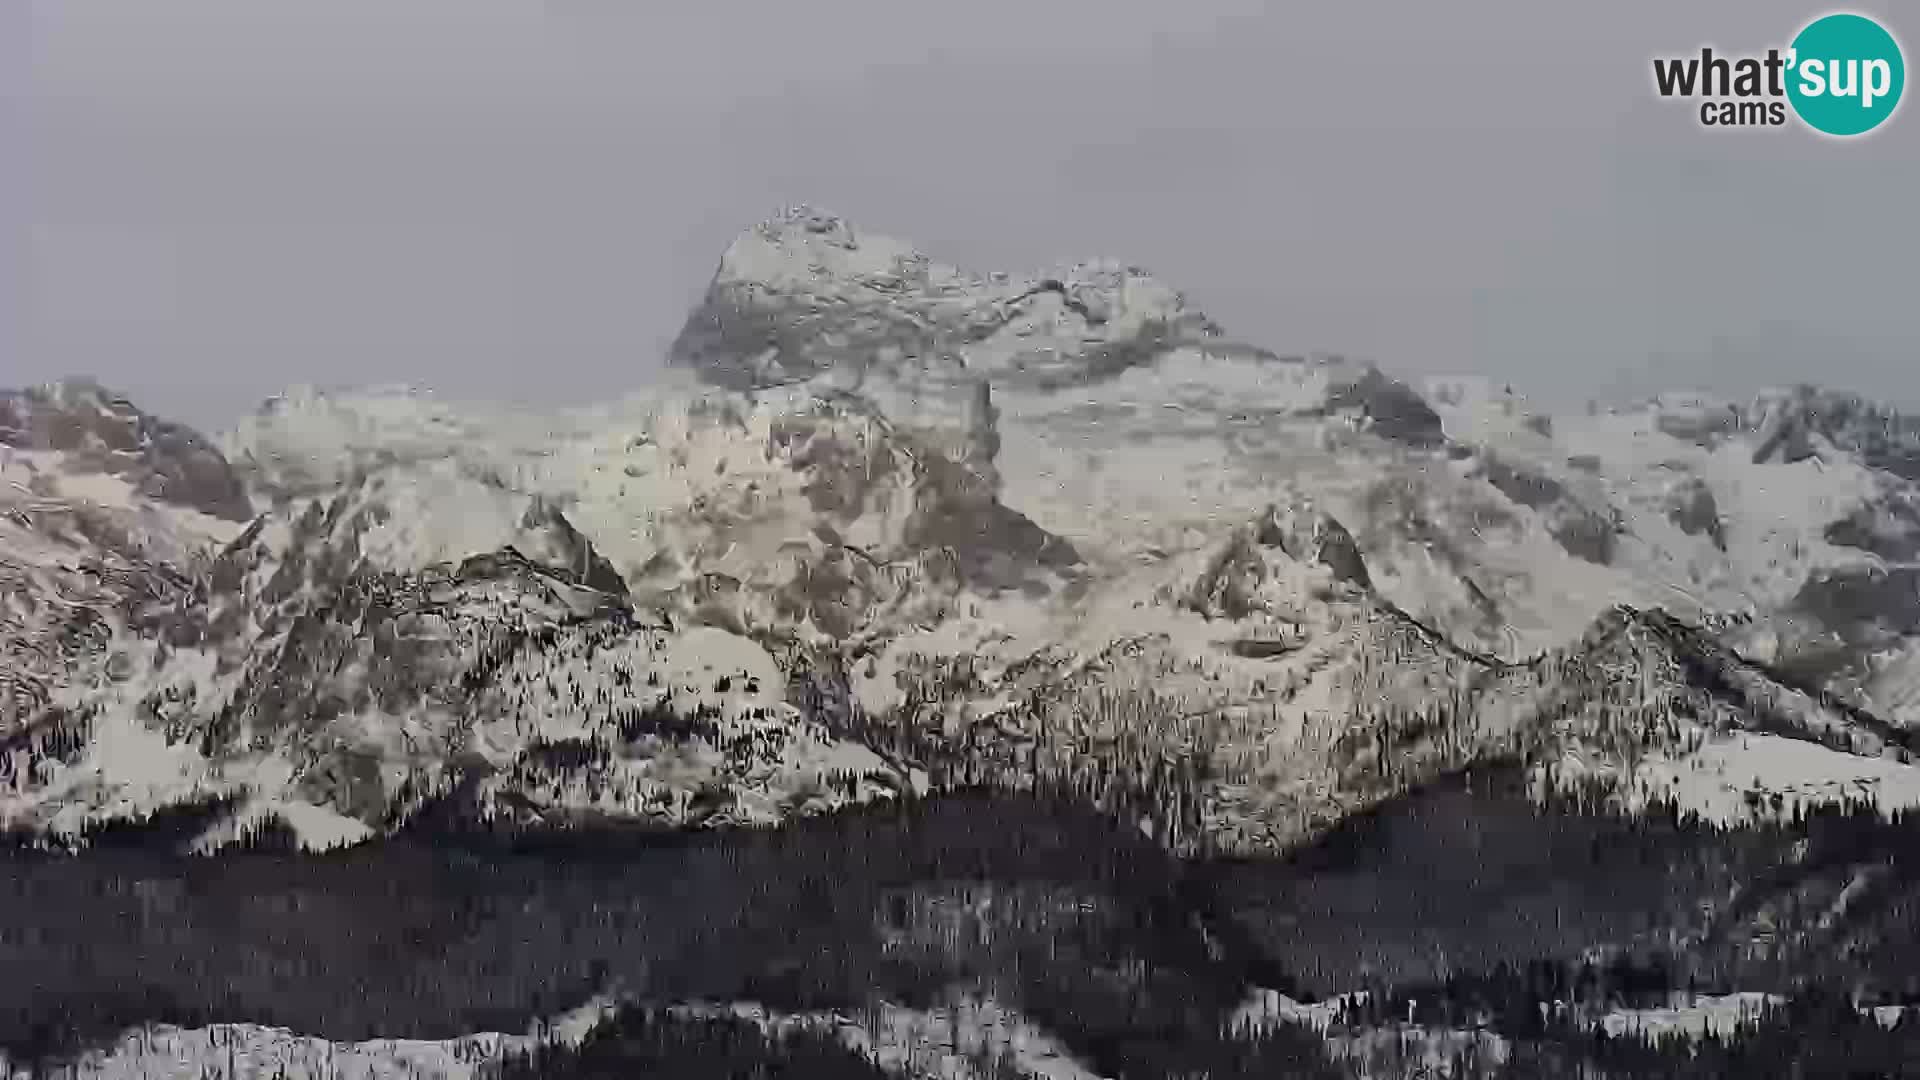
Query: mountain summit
808, 293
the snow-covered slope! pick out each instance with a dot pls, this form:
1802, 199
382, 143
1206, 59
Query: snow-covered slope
1794, 513
893, 523
343, 656
104, 512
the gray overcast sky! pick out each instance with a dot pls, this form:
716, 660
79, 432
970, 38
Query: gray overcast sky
202, 202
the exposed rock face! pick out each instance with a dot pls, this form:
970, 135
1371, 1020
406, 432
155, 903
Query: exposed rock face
1863, 605
983, 436
1785, 435
1579, 528
1692, 507
1393, 409
1315, 538
565, 547
1887, 527
99, 431
1529, 489
1583, 533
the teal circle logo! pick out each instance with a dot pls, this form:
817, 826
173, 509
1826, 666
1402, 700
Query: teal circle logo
1845, 74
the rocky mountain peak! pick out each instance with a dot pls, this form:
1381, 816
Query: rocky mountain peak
807, 293
1792, 423
97, 431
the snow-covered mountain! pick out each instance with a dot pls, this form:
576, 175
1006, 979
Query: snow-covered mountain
888, 525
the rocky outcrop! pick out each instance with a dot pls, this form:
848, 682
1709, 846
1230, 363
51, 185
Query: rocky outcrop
982, 451
1584, 533
1391, 408
1315, 538
1693, 509
1530, 489
1887, 526
1580, 529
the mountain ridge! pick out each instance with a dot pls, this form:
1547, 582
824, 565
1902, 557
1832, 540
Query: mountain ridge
1054, 527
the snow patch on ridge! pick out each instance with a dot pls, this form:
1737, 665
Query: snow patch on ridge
966, 1037
1749, 776
1721, 1016
255, 1052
